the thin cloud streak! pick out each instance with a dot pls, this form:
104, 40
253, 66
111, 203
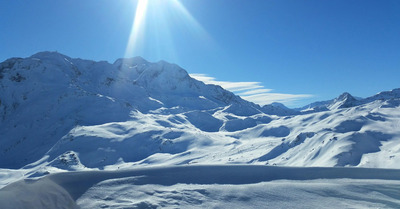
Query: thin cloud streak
268, 98
253, 91
240, 86
231, 86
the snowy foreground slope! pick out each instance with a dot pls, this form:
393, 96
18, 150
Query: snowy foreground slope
61, 114
237, 186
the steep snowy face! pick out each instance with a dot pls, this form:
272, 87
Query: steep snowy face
136, 82
343, 101
43, 97
172, 85
158, 77
165, 77
131, 67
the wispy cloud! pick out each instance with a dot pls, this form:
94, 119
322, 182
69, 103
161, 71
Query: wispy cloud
231, 86
253, 91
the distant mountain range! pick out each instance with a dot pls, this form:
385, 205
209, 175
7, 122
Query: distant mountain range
346, 100
60, 114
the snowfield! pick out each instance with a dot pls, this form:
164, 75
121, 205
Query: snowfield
135, 134
226, 186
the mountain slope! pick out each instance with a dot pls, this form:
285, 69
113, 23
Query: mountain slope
46, 95
58, 113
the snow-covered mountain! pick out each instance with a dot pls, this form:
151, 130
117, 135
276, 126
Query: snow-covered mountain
45, 96
58, 113
346, 100
147, 135
278, 109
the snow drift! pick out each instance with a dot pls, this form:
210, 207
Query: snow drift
58, 190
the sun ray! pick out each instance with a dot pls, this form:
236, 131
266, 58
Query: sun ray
160, 27
137, 27
193, 25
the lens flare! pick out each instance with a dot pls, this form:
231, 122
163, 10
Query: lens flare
160, 26
137, 27
194, 27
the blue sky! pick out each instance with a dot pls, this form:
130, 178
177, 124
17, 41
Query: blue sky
292, 51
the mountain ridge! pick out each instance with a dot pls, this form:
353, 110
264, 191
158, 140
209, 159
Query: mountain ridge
59, 113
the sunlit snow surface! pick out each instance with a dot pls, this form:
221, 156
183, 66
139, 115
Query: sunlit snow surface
59, 114
341, 193
210, 187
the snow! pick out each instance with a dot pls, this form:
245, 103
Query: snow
35, 194
60, 114
211, 186
342, 193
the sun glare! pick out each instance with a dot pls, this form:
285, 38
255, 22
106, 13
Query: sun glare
154, 19
137, 27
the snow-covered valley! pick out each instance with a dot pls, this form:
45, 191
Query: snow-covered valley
110, 122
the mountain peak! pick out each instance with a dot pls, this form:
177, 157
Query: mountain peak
52, 55
277, 108
345, 96
131, 61
343, 101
